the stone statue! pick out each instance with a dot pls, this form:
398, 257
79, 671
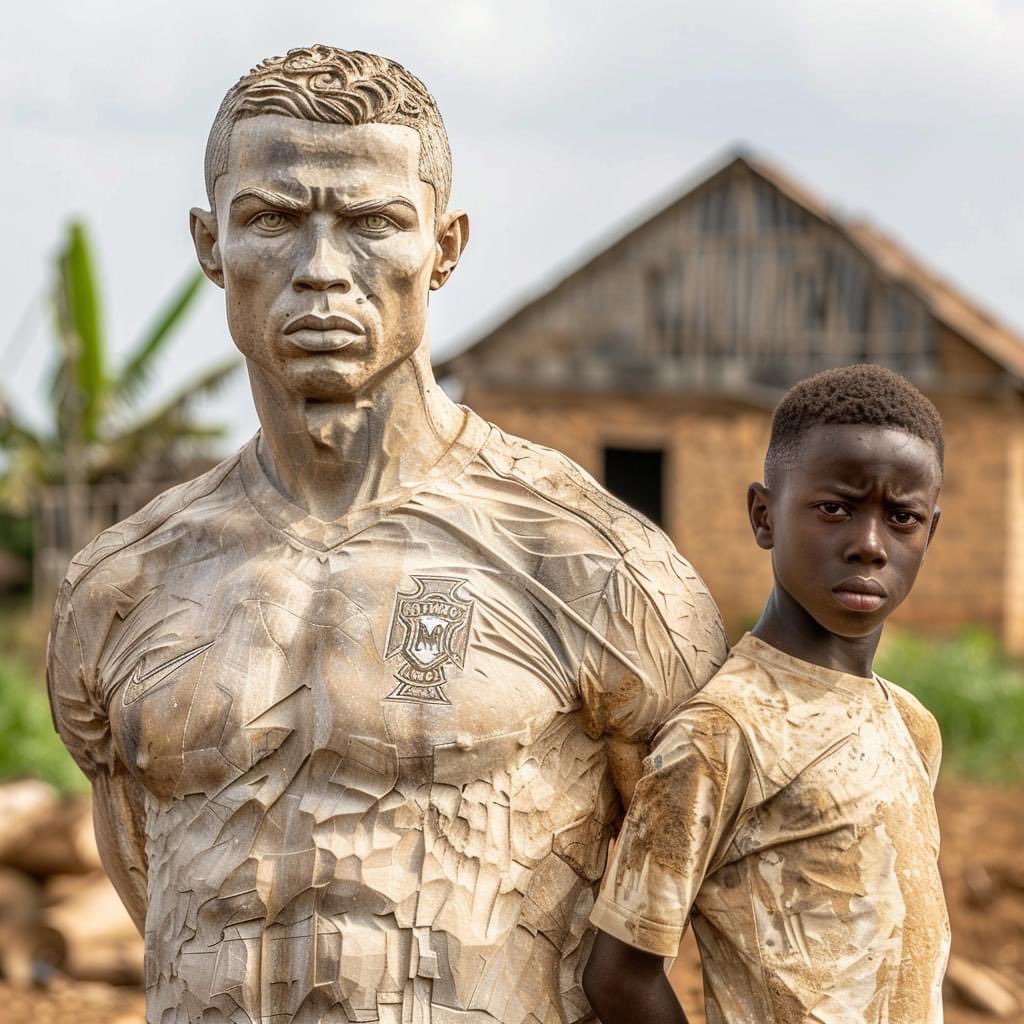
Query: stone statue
361, 705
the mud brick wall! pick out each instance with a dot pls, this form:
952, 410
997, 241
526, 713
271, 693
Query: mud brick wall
968, 574
974, 573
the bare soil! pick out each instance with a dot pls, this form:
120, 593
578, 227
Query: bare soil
982, 866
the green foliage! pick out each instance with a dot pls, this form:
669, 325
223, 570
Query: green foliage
28, 743
975, 692
16, 535
95, 430
80, 329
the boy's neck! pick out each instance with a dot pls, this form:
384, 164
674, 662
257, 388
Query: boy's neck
788, 627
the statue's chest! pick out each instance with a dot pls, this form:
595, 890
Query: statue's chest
265, 674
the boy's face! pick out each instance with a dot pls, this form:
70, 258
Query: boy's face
848, 523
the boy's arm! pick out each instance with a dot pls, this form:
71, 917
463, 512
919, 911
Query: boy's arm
625, 985
681, 823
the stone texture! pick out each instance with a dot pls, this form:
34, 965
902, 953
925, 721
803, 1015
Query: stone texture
361, 706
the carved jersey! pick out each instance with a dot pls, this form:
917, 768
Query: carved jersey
358, 770
788, 812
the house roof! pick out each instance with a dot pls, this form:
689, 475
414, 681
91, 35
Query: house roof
943, 300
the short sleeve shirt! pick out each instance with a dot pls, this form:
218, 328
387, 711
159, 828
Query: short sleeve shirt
787, 811
373, 752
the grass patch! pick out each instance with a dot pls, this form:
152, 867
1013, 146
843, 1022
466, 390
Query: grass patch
28, 743
974, 690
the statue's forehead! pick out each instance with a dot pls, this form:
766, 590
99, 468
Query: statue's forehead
272, 146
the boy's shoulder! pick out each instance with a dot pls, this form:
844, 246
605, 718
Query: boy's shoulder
922, 726
788, 719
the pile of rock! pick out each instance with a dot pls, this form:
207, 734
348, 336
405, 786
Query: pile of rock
59, 916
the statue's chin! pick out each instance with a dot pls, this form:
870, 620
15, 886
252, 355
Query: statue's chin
327, 378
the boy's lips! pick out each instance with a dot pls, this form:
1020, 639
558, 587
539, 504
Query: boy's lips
860, 594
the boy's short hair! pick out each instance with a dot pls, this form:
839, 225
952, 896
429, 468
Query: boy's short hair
864, 393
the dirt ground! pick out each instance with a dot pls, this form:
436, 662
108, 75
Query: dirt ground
982, 866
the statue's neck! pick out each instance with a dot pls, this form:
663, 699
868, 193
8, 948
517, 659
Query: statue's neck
332, 457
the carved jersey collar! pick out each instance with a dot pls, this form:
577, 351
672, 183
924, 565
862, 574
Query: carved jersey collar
282, 513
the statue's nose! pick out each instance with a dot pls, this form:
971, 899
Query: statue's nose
324, 268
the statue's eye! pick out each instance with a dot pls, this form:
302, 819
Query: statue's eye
375, 223
269, 221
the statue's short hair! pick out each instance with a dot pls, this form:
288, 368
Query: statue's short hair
323, 83
860, 394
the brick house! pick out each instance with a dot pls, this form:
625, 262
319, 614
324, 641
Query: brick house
656, 364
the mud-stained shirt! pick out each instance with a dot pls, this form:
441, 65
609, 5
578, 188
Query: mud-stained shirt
362, 770
787, 811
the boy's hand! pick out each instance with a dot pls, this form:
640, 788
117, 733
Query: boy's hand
628, 986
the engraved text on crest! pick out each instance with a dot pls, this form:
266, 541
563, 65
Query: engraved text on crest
429, 631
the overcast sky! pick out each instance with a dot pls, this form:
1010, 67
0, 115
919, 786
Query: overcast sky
567, 119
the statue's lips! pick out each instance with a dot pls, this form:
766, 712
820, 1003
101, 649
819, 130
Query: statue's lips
330, 333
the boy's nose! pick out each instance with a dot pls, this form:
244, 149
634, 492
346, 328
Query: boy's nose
867, 545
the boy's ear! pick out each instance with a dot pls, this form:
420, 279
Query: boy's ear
935, 524
759, 510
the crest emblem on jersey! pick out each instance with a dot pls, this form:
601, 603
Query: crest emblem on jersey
429, 633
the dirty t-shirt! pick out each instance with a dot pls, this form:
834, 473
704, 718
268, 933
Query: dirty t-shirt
787, 811
360, 770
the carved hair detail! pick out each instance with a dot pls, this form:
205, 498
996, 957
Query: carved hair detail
326, 84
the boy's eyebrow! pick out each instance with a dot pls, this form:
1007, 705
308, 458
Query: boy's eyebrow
906, 497
849, 491
845, 490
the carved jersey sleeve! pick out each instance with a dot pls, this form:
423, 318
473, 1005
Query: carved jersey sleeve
82, 720
697, 785
657, 638
78, 713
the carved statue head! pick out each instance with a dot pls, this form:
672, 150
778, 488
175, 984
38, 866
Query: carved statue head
328, 174
323, 83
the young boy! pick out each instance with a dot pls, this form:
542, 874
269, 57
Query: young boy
787, 808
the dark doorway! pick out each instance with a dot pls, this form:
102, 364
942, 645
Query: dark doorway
636, 476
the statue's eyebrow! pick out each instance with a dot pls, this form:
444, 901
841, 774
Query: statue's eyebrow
372, 205
272, 198
281, 201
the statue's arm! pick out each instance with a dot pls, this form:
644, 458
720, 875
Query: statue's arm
661, 639
82, 722
119, 818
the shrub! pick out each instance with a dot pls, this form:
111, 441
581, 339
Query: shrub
28, 743
974, 690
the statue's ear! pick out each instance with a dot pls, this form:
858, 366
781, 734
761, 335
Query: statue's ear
452, 239
203, 227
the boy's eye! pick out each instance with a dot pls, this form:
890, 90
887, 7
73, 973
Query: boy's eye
833, 509
904, 518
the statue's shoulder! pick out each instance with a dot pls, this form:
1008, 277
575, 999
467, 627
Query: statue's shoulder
640, 564
565, 487
165, 511
562, 484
